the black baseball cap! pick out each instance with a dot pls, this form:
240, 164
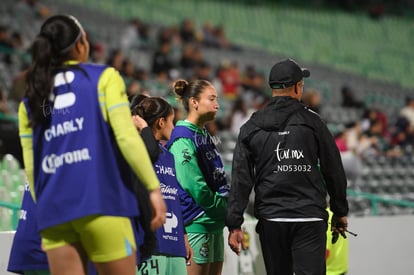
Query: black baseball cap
286, 73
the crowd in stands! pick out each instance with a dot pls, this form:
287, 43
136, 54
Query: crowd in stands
177, 52
374, 134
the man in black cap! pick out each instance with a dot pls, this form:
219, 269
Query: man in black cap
286, 152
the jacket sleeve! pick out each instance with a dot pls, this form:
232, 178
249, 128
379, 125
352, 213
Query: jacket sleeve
150, 143
332, 171
241, 185
191, 178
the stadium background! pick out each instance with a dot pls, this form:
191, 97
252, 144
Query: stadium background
365, 45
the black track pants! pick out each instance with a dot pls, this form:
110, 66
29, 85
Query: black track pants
297, 247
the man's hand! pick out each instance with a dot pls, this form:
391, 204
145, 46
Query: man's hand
236, 239
339, 225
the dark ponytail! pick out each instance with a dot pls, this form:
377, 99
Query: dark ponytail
49, 50
186, 90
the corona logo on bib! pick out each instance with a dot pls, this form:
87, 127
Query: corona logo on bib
51, 162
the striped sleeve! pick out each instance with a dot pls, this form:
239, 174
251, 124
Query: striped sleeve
115, 109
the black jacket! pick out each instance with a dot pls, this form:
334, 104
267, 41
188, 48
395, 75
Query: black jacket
143, 222
288, 154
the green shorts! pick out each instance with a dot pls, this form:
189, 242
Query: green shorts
159, 264
207, 247
104, 238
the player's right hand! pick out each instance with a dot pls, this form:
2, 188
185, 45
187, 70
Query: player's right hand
159, 209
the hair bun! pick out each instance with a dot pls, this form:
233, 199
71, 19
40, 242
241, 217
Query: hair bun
179, 87
135, 104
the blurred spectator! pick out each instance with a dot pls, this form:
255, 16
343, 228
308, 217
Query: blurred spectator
247, 76
135, 36
349, 99
32, 8
223, 41
408, 110
133, 88
19, 47
17, 41
254, 89
230, 79
341, 139
128, 72
260, 102
381, 145
9, 131
215, 37
161, 60
169, 44
220, 35
373, 114
198, 55
165, 34
161, 85
203, 70
239, 114
208, 37
403, 133
187, 60
115, 59
188, 33
4, 106
130, 36
18, 87
191, 56
141, 74
312, 99
19, 55
350, 158
5, 44
356, 141
145, 36
98, 53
